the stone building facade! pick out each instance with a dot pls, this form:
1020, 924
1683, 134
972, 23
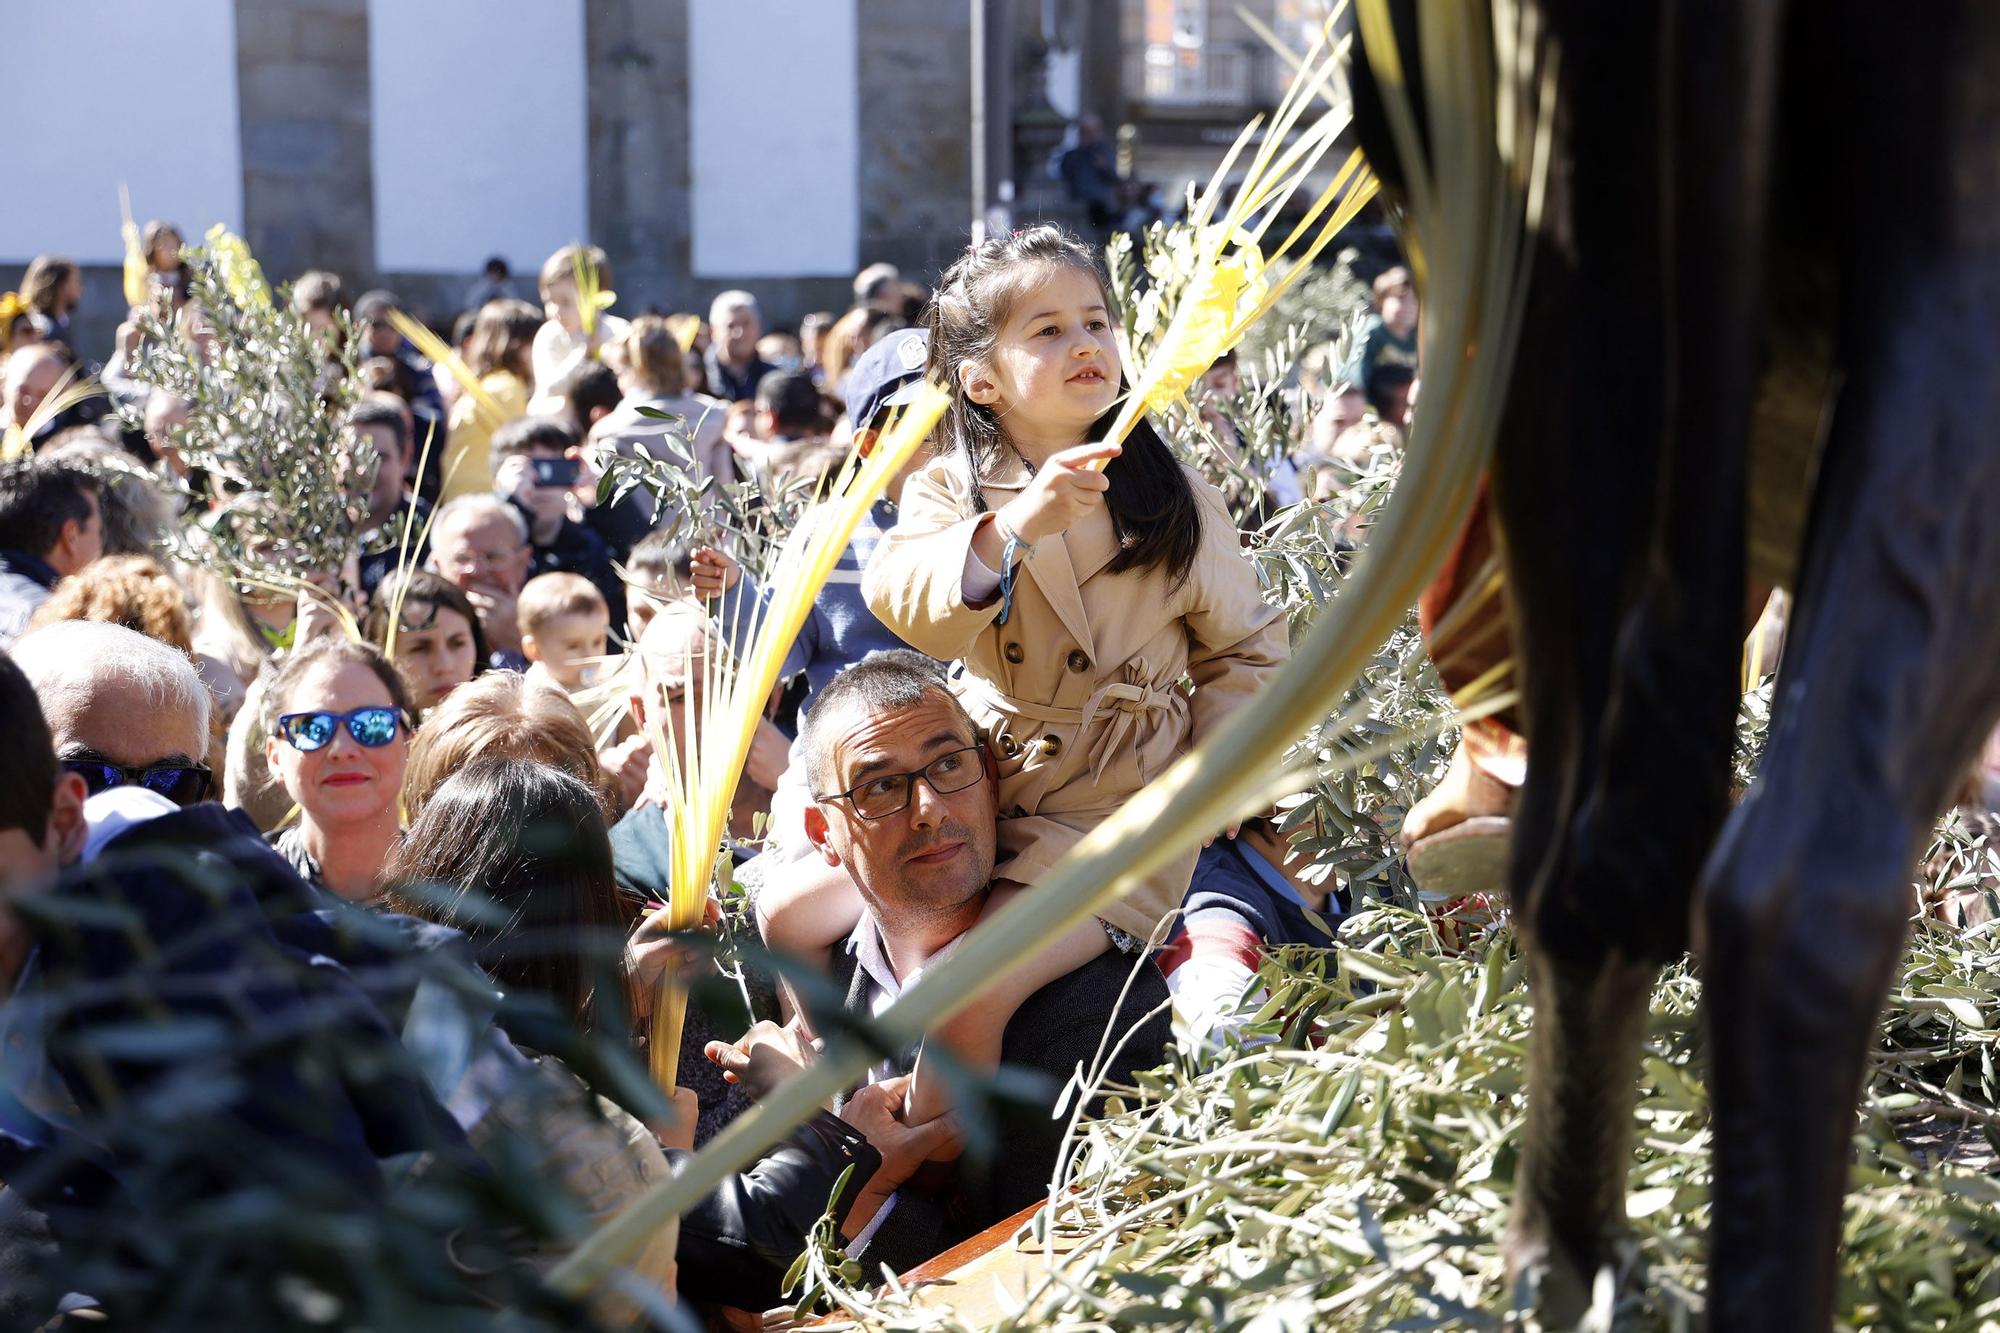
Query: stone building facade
314, 139
777, 145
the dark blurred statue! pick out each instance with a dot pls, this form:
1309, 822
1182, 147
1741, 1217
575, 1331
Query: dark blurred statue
1760, 348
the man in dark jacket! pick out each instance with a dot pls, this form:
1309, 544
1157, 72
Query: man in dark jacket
50, 526
904, 798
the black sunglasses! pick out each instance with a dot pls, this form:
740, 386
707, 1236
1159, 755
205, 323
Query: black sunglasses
371, 727
889, 793
183, 784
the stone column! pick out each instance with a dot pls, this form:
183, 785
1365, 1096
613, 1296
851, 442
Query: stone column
638, 82
916, 117
308, 186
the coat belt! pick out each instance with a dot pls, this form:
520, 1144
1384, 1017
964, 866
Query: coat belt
1125, 702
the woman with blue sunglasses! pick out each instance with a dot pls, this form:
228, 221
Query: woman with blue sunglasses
337, 735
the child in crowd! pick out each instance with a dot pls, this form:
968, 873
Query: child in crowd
1077, 599
788, 442
565, 635
561, 344
781, 351
1388, 358
565, 630
656, 575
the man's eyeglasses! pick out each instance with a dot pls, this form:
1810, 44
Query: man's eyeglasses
372, 727
183, 784
889, 793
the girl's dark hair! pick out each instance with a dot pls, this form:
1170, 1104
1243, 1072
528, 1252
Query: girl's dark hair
516, 854
1153, 507
422, 588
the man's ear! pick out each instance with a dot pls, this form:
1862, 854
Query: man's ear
817, 834
66, 822
976, 378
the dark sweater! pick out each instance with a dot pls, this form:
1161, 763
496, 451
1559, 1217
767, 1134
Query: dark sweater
1058, 1028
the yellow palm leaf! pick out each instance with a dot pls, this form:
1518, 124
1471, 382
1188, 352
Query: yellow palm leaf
138, 268
724, 693
441, 353
1233, 282
242, 275
591, 296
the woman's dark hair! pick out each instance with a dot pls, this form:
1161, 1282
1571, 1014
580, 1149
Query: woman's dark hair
421, 588
503, 335
1153, 507
38, 496
516, 855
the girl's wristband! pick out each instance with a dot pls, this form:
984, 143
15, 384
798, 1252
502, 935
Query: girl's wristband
1010, 540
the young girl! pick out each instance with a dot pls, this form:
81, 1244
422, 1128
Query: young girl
1118, 585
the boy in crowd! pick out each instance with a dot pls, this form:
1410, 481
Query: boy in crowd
51, 526
789, 431
1388, 360
565, 630
561, 344
658, 573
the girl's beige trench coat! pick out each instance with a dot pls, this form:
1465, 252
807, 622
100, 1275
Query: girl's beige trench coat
1081, 691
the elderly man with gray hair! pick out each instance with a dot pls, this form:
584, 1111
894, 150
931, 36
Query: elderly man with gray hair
734, 368
123, 710
481, 543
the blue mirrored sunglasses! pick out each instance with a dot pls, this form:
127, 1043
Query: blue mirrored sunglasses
371, 727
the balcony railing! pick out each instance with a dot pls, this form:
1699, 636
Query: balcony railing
1214, 75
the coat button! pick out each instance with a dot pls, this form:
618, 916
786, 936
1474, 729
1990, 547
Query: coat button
1009, 746
1012, 652
1078, 661
1051, 745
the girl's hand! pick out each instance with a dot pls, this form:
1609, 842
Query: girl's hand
1062, 493
712, 572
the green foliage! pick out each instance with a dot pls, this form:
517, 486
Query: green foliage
282, 484
1349, 1164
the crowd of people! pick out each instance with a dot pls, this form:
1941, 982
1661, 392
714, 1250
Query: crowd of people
1029, 626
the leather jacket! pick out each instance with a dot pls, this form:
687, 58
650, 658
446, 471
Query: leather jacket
737, 1243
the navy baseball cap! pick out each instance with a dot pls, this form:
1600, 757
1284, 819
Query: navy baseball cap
886, 375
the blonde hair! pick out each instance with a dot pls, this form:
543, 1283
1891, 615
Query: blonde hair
506, 714
224, 628
851, 335
128, 590
547, 597
561, 267
654, 357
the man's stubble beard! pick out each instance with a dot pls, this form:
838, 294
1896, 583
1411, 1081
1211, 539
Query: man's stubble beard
929, 907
